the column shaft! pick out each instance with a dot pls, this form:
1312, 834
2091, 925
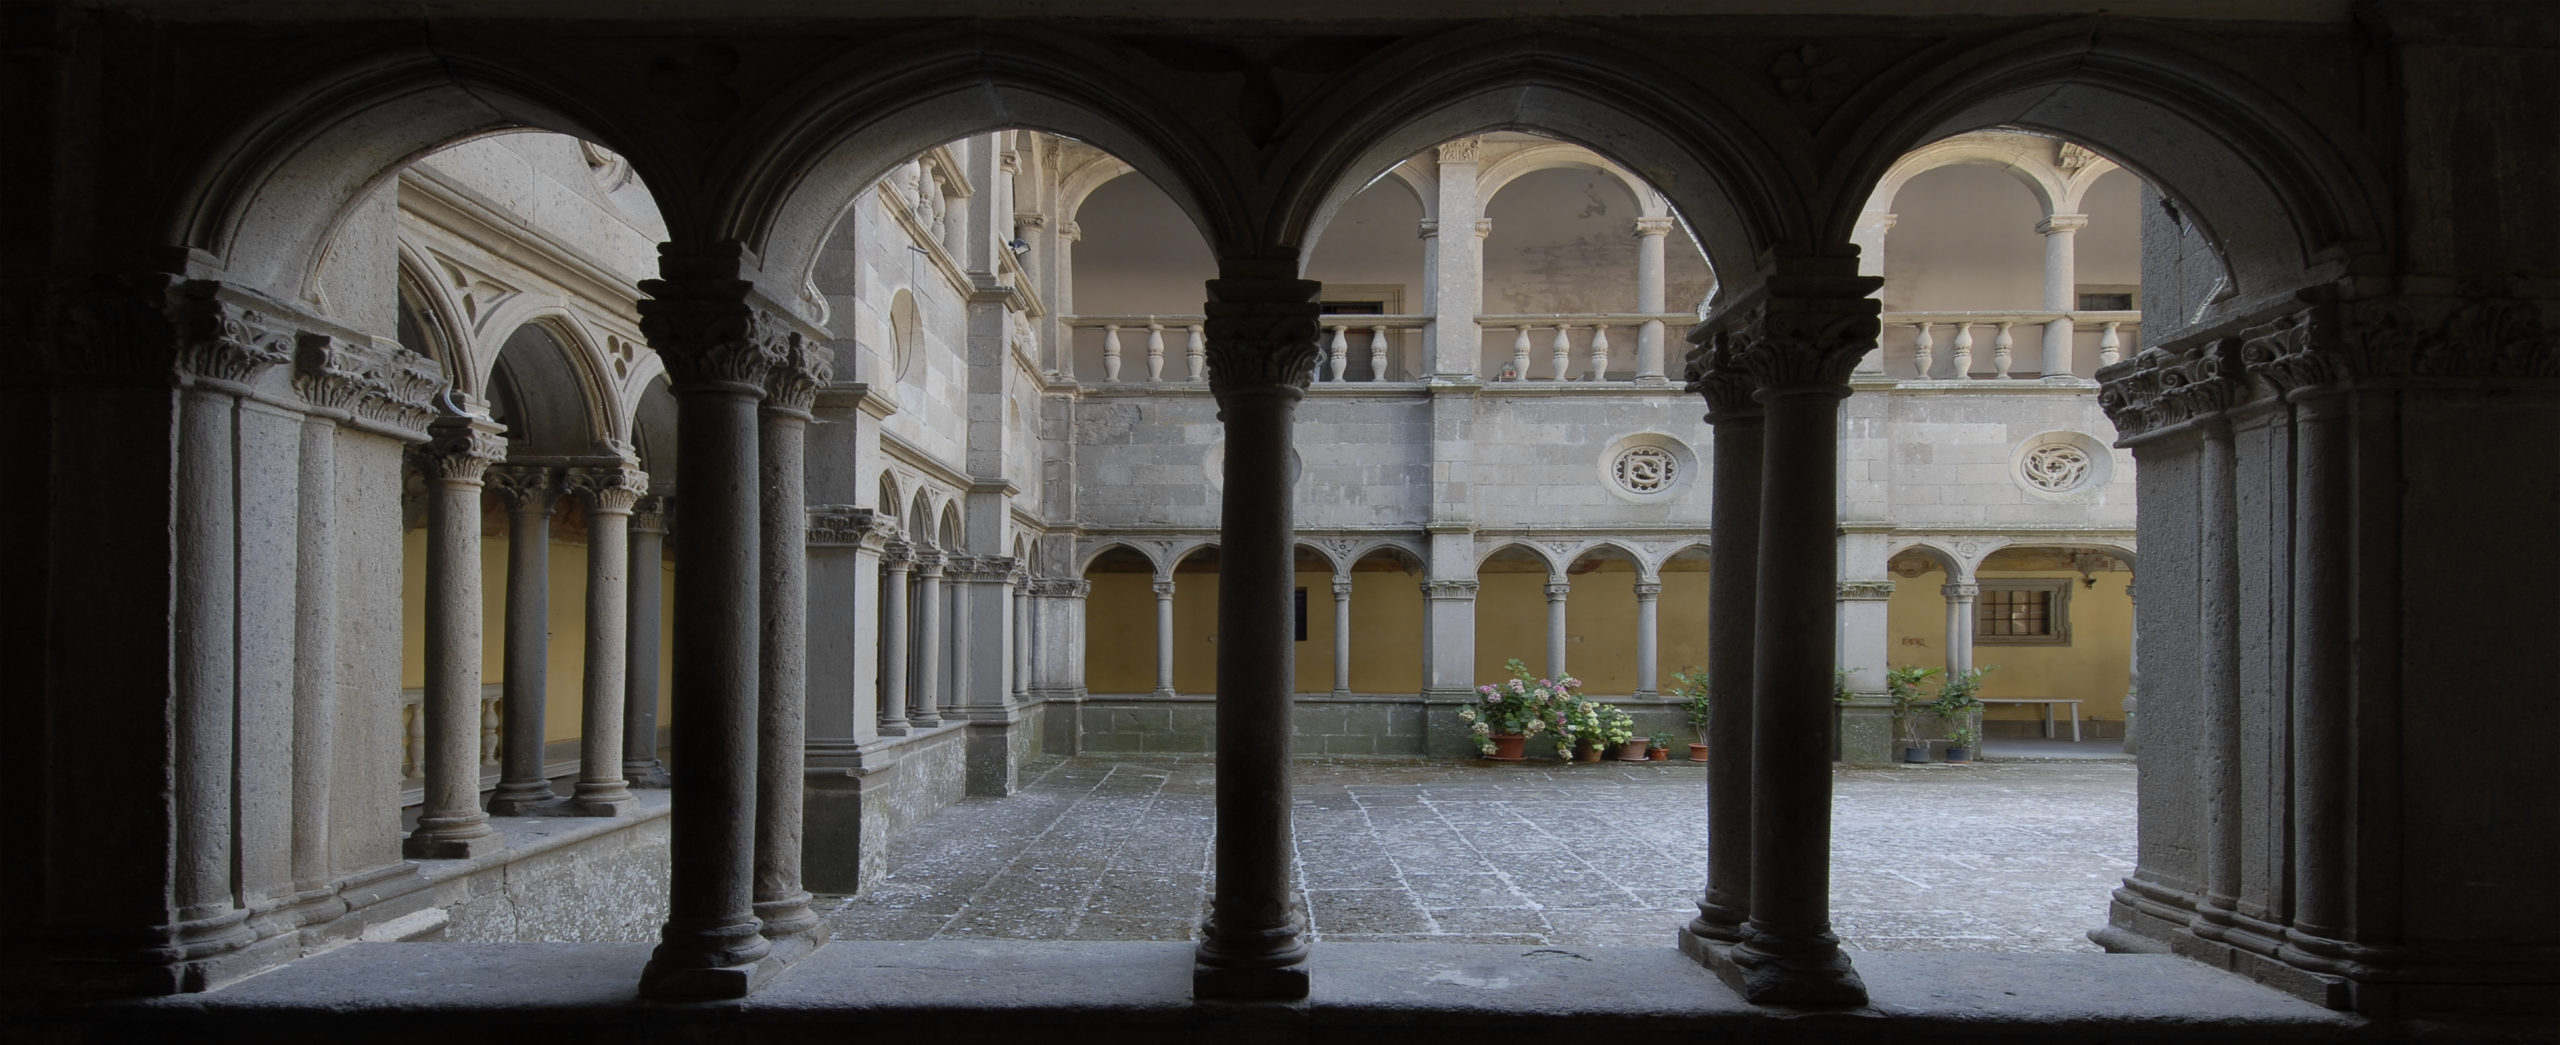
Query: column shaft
1556, 592
531, 493
1021, 637
1342, 637
2218, 668
1457, 264
782, 726
1648, 656
2323, 734
315, 655
2061, 288
1733, 569
1650, 236
609, 494
450, 823
207, 682
893, 638
1164, 637
925, 705
642, 619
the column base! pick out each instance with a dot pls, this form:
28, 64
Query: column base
427, 844
614, 801
707, 965
1232, 983
894, 729
523, 800
791, 930
923, 722
1341, 694
1820, 977
720, 983
1164, 693
649, 774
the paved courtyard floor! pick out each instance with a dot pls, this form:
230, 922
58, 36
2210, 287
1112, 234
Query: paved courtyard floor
1989, 857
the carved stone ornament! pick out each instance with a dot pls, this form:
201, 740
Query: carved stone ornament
1557, 592
803, 368
1645, 469
1262, 333
1960, 591
1342, 589
222, 341
379, 382
846, 526
2055, 467
1653, 226
525, 487
1449, 589
1798, 332
612, 490
1648, 590
897, 556
1715, 373
1866, 591
706, 333
1462, 150
649, 515
461, 447
2161, 387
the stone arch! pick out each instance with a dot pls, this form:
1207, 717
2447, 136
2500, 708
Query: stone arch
888, 496
1416, 557
1608, 548
441, 337
1323, 556
870, 107
1175, 557
1085, 563
2019, 157
920, 520
653, 433
266, 192
598, 400
1486, 555
1088, 177
950, 536
1683, 552
1495, 176
1955, 566
1726, 170
545, 393
2265, 179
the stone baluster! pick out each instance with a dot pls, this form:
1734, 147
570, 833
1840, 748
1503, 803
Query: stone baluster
1557, 589
1378, 354
1155, 351
1724, 907
1960, 353
1262, 344
1195, 354
609, 493
489, 727
781, 905
1337, 355
895, 563
1164, 636
413, 740
1560, 352
924, 704
1520, 354
2001, 352
460, 449
2110, 345
1921, 343
531, 493
1111, 351
1342, 636
642, 621
1599, 354
1648, 667
718, 349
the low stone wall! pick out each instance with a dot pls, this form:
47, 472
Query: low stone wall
853, 811
1371, 725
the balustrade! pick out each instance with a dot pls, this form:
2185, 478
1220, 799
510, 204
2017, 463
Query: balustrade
1920, 331
1595, 350
1343, 339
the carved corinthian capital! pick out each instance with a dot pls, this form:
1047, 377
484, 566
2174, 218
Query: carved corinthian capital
1798, 331
707, 333
525, 487
607, 489
327, 373
1261, 333
1715, 373
461, 447
222, 341
2163, 387
379, 382
804, 367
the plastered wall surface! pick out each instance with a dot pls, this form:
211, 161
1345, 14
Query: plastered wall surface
2095, 668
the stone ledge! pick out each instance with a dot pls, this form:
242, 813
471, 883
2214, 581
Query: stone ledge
1141, 992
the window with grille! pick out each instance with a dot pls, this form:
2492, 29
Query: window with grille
2023, 612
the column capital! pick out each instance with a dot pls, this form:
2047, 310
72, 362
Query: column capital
1800, 331
708, 333
1462, 150
897, 556
222, 340
1427, 228
929, 562
461, 447
1262, 334
2054, 223
1164, 587
846, 526
2164, 388
1960, 591
1342, 589
649, 514
1557, 590
377, 381
1449, 589
1646, 590
1071, 231
613, 489
803, 368
1484, 227
1866, 591
1075, 589
1654, 226
528, 489
1715, 372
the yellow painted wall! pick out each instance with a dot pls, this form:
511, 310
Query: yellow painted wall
1120, 635
565, 677
1599, 624
1386, 634
2095, 668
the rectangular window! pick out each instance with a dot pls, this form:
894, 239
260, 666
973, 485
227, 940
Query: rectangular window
1302, 614
2023, 612
2098, 298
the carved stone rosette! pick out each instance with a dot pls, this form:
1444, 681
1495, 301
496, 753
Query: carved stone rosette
1262, 334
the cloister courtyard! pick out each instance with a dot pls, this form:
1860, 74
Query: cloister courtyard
1998, 856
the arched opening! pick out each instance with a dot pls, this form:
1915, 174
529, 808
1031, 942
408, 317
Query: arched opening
1514, 585
1387, 647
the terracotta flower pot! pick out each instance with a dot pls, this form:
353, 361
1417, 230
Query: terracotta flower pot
1506, 746
1660, 754
1697, 752
1586, 751
1633, 750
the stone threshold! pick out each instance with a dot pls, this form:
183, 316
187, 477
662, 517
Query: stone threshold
1134, 993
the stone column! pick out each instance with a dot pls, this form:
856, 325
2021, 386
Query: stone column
648, 530
782, 727
1164, 636
1650, 233
1342, 636
1733, 569
531, 493
1020, 582
1960, 596
608, 493
1648, 656
328, 378
460, 449
1556, 592
2218, 672
2133, 673
1458, 287
1262, 351
718, 349
1801, 338
2061, 289
925, 704
895, 562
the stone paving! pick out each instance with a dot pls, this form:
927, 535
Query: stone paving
1988, 857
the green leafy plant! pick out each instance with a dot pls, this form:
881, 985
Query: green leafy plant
1961, 695
1908, 689
1661, 740
1963, 737
1519, 705
1689, 685
1840, 684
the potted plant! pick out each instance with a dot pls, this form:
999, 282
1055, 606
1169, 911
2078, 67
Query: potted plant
1661, 751
1689, 684
1504, 716
1960, 741
1908, 688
